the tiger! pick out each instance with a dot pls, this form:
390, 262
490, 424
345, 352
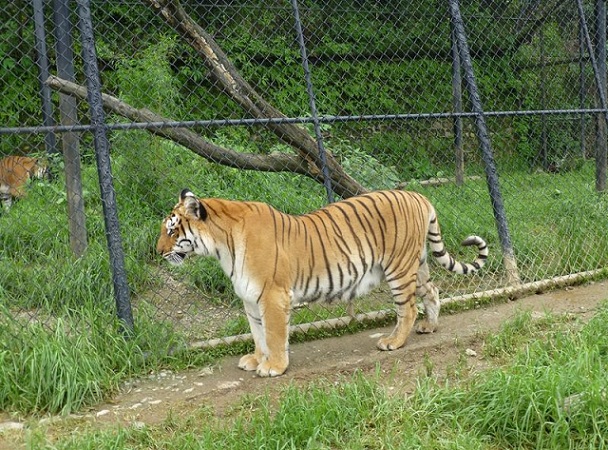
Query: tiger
277, 261
15, 173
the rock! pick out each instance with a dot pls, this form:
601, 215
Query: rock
228, 385
6, 426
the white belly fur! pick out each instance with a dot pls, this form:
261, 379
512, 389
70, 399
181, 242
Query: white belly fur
352, 288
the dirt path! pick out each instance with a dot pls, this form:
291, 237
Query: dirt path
150, 400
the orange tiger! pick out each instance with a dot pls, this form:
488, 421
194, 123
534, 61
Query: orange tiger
15, 172
277, 260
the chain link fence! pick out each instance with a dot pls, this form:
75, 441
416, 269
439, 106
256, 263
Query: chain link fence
494, 110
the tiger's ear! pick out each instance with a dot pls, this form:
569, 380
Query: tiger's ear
193, 205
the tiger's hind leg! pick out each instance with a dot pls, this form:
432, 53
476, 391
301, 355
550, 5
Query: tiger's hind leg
404, 293
5, 197
429, 294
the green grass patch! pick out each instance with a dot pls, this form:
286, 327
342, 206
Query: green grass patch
557, 228
51, 365
549, 393
60, 371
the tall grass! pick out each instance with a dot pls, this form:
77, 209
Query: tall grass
528, 403
550, 393
58, 371
58, 365
39, 276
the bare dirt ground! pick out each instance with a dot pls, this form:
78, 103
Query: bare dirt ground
150, 400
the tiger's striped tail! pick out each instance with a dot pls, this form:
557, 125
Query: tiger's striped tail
446, 260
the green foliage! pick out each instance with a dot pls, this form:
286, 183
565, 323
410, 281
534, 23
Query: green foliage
363, 167
145, 80
362, 63
18, 106
63, 370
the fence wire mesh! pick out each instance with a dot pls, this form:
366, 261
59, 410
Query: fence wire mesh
213, 96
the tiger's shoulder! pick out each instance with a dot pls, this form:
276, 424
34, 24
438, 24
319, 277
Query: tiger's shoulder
236, 209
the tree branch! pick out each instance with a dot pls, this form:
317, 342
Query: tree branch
233, 84
276, 162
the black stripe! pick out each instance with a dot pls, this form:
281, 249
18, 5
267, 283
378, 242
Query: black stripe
325, 258
337, 235
273, 215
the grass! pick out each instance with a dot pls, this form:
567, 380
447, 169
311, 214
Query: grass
56, 372
75, 361
80, 360
525, 401
558, 227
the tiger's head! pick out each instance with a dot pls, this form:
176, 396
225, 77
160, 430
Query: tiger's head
16, 170
41, 170
184, 230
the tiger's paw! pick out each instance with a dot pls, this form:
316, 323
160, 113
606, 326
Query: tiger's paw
426, 327
249, 363
265, 369
390, 343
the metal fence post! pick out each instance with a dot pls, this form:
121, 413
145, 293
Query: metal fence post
543, 102
457, 106
600, 153
102, 152
500, 217
601, 150
312, 103
42, 60
582, 88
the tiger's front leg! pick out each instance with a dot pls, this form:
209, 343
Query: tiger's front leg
270, 333
275, 308
251, 361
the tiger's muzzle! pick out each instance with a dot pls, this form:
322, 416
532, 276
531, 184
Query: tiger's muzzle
175, 258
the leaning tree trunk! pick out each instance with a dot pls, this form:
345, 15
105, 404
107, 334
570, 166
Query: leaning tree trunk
275, 162
235, 86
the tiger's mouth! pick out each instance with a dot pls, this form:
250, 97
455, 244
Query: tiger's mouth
175, 258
